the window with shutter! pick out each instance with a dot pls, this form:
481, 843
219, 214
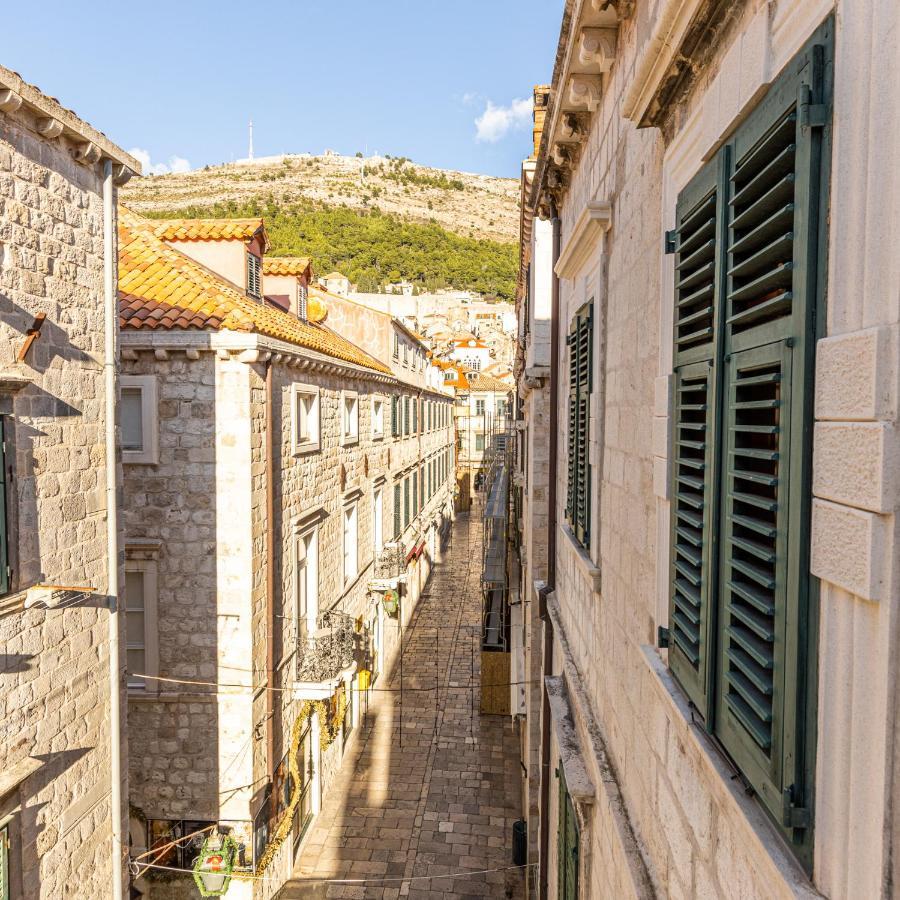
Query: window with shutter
4, 528
405, 502
578, 497
398, 525
567, 842
254, 283
749, 273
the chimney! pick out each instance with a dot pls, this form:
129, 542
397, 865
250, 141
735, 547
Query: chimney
541, 99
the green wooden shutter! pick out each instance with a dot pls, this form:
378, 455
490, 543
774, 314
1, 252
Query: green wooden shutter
753, 614
583, 467
394, 429
697, 242
4, 864
567, 842
693, 519
4, 534
405, 502
572, 423
398, 529
775, 266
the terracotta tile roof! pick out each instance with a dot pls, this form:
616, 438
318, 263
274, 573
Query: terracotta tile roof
207, 229
285, 265
478, 381
471, 342
162, 289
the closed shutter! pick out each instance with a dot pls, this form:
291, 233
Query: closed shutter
394, 428
754, 562
415, 493
698, 241
693, 515
567, 840
405, 502
4, 864
749, 277
398, 527
4, 535
775, 277
415, 415
578, 502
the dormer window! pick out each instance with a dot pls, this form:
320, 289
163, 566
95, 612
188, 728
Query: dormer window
254, 276
302, 297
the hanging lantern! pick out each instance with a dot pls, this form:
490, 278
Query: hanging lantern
390, 600
214, 865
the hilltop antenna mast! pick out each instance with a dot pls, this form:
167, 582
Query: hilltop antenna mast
250, 147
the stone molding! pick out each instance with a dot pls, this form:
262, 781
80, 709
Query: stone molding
594, 221
610, 801
54, 121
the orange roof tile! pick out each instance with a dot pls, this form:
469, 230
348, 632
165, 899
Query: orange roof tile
478, 381
207, 229
161, 288
285, 265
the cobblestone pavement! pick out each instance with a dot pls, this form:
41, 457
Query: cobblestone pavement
444, 800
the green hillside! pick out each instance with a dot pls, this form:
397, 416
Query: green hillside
373, 248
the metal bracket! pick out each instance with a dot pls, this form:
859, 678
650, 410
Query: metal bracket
792, 814
811, 115
662, 637
669, 243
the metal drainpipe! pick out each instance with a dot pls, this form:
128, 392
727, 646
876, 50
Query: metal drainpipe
270, 578
110, 324
551, 561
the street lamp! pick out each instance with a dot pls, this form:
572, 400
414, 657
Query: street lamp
214, 865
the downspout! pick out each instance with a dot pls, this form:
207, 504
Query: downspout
110, 326
551, 562
270, 579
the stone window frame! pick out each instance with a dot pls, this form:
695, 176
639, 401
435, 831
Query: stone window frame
148, 385
143, 557
378, 433
298, 447
378, 506
307, 529
350, 437
351, 505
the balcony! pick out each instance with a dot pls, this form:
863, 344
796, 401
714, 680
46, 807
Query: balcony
390, 566
326, 657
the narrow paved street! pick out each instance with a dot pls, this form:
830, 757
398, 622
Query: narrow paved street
430, 788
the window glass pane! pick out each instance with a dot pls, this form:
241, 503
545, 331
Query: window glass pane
134, 628
132, 419
134, 590
135, 664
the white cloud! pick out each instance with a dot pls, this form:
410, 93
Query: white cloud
497, 121
176, 164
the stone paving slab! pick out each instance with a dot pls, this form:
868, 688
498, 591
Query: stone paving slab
431, 786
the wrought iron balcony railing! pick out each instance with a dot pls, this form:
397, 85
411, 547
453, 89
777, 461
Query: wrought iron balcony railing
391, 562
329, 651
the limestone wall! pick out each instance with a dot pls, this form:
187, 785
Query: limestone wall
54, 689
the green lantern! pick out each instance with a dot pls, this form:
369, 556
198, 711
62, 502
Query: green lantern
214, 865
391, 602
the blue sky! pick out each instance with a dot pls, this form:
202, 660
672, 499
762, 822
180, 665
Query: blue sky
427, 79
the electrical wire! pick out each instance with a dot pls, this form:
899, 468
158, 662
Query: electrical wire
248, 876
250, 687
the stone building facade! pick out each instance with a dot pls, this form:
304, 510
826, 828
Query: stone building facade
483, 413
260, 513
58, 580
719, 725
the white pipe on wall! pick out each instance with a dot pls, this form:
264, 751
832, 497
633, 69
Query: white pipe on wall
112, 531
